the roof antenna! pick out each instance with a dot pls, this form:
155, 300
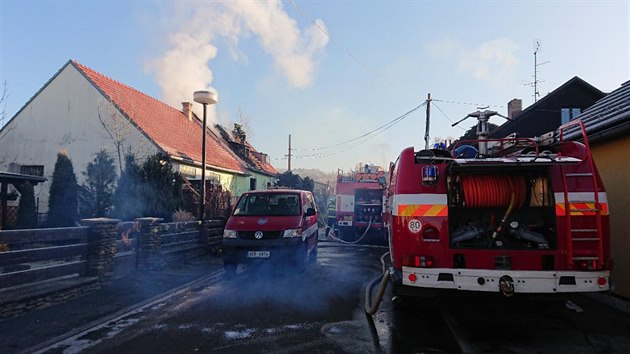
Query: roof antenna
534, 84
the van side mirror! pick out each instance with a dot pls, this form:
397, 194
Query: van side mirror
309, 212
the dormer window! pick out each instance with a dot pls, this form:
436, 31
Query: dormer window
568, 114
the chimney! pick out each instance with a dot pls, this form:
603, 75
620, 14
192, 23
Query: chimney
515, 107
187, 109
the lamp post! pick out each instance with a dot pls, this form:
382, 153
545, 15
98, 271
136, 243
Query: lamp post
205, 98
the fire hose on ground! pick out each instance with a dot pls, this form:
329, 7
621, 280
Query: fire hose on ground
353, 242
371, 308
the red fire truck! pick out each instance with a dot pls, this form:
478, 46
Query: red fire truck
513, 215
360, 203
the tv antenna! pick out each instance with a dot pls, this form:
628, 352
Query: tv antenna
535, 83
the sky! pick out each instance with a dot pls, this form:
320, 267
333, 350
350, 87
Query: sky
325, 72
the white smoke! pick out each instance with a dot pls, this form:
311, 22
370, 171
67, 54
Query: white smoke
185, 66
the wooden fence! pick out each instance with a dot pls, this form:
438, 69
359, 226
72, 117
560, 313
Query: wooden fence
29, 256
35, 255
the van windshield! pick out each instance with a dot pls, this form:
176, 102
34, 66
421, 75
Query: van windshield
279, 204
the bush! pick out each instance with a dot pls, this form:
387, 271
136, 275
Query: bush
162, 192
96, 195
128, 203
26, 218
62, 203
152, 189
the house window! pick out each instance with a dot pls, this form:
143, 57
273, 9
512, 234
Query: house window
32, 170
568, 114
252, 184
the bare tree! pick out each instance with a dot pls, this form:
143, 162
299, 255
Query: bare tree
3, 111
245, 124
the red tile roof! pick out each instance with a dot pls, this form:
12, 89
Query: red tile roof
255, 160
168, 127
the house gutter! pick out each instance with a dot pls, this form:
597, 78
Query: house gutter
198, 164
607, 133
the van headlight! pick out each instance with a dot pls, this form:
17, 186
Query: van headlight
292, 233
229, 233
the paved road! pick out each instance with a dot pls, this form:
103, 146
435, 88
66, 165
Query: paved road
263, 311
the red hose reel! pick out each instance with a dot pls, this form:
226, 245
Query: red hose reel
493, 191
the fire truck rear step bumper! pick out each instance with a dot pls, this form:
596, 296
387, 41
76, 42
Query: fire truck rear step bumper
488, 280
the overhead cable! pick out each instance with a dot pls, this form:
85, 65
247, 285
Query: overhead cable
445, 116
374, 131
470, 103
326, 151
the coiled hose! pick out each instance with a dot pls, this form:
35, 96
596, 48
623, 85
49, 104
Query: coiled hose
494, 191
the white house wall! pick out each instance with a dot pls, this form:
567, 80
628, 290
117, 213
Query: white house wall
63, 115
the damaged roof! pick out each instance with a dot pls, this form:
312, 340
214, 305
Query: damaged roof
255, 160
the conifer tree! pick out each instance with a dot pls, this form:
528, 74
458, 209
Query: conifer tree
128, 197
26, 208
163, 187
96, 195
62, 202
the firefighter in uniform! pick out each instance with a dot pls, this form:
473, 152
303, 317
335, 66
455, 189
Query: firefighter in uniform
332, 215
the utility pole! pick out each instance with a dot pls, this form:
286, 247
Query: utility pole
289, 155
426, 132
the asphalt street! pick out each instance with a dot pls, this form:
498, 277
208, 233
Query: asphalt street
270, 310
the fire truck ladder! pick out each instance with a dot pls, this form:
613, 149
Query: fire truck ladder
590, 249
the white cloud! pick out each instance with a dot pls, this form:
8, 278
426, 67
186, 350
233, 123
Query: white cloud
493, 61
185, 66
442, 48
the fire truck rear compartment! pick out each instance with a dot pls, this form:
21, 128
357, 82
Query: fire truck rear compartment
512, 209
368, 206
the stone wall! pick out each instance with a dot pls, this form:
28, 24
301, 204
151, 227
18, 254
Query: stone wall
17, 302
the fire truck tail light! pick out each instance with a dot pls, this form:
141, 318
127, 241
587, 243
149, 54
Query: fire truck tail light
412, 277
601, 281
422, 261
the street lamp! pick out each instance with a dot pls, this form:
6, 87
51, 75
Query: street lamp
205, 98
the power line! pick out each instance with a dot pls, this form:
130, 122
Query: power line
373, 131
470, 103
445, 116
354, 142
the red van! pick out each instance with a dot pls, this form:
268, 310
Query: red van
278, 225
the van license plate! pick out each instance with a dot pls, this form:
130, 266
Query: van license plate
258, 254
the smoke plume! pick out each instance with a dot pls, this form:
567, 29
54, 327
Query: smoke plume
185, 66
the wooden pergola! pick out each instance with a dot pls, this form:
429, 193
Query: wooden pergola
17, 180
